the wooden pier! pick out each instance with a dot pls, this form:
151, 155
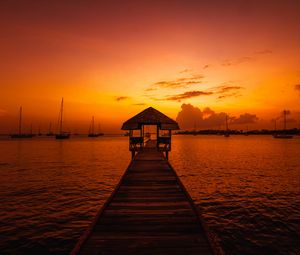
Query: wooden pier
150, 211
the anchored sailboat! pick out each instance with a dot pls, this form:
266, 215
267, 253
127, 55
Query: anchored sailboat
92, 129
99, 130
62, 134
283, 135
50, 133
40, 133
20, 135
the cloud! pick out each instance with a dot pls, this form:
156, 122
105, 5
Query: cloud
188, 94
229, 95
220, 91
186, 70
178, 83
225, 91
139, 104
263, 52
245, 59
207, 112
297, 87
191, 117
234, 62
150, 89
122, 98
206, 66
245, 118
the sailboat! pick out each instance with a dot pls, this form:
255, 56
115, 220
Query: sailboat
92, 129
20, 135
226, 134
283, 135
39, 133
99, 130
50, 133
62, 134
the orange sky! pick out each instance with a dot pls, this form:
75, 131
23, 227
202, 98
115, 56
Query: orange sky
115, 58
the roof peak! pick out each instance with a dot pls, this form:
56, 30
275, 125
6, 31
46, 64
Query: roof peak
150, 116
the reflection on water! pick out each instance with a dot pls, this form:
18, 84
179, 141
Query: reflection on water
247, 188
50, 190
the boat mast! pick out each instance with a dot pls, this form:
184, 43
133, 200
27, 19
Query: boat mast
20, 121
61, 115
93, 124
50, 125
284, 119
226, 123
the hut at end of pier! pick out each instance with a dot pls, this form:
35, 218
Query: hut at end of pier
150, 128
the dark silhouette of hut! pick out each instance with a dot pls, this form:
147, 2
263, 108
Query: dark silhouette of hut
150, 117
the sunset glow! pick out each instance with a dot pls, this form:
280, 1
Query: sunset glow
112, 59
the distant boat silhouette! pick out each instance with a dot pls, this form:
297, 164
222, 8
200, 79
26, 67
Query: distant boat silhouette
39, 133
226, 134
20, 135
62, 134
283, 135
92, 129
99, 130
50, 133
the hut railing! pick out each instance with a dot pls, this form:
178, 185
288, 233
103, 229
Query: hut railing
136, 143
164, 143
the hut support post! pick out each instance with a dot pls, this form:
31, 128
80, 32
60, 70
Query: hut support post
143, 134
170, 134
142, 137
157, 137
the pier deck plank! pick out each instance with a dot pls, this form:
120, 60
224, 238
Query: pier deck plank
149, 213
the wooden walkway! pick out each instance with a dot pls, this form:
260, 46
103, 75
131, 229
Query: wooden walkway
149, 212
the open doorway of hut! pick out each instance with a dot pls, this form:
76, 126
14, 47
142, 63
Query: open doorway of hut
150, 135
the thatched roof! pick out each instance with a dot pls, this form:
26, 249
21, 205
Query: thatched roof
150, 116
